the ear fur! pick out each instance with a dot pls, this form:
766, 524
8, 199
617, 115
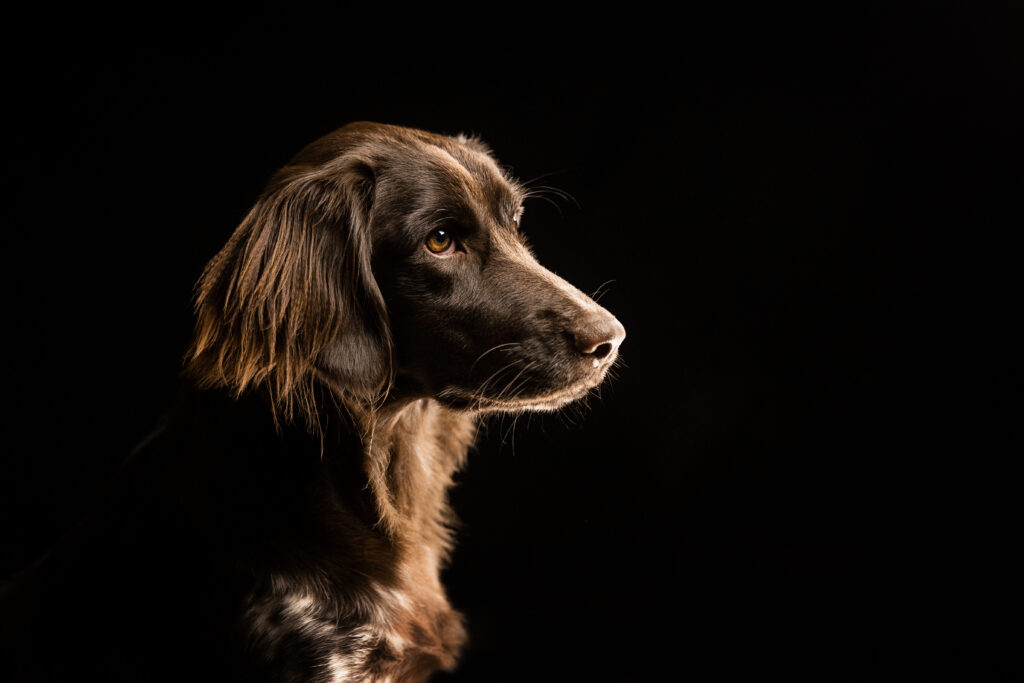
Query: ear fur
291, 298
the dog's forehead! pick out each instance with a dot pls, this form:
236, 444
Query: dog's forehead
460, 172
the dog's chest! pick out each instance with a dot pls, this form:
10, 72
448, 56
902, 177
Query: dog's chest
385, 635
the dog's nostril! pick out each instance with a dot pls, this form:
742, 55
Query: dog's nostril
602, 350
599, 336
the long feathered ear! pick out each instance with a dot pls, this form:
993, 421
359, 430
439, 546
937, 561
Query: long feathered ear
291, 297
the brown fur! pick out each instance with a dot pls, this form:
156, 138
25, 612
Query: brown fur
273, 305
276, 295
310, 548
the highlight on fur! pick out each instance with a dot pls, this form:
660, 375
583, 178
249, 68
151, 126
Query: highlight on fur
293, 280
290, 518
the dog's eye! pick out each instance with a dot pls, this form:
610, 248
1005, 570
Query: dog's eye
440, 242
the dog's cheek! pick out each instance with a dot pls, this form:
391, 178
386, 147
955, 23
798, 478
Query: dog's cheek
357, 361
433, 314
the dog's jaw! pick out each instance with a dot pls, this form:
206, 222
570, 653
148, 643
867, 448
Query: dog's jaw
460, 399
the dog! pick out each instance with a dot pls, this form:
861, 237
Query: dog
288, 521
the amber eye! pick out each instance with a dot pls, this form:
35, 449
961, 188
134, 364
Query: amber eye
440, 242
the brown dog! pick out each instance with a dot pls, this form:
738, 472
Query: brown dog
289, 521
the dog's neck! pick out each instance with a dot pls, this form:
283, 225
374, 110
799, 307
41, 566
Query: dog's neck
411, 450
345, 530
387, 471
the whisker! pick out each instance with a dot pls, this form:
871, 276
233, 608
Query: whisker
512, 430
549, 201
601, 291
509, 389
526, 185
481, 390
540, 190
493, 348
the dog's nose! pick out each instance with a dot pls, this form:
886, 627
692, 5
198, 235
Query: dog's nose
598, 335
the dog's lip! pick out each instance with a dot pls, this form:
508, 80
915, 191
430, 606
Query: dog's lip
548, 401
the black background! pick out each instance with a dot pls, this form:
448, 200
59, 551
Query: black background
782, 200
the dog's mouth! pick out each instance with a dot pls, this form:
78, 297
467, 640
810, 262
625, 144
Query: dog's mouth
548, 401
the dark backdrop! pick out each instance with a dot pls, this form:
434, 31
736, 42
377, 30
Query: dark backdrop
779, 202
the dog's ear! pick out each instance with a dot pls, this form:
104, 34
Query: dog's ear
291, 297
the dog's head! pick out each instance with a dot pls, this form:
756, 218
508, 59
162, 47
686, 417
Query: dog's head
386, 260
